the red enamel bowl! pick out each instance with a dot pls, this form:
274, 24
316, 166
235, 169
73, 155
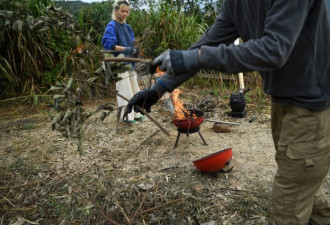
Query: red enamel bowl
214, 162
191, 123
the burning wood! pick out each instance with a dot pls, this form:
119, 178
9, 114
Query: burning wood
181, 113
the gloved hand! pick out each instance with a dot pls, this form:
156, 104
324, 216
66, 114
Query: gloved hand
135, 53
129, 50
178, 62
145, 99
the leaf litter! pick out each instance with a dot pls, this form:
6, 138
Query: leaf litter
133, 174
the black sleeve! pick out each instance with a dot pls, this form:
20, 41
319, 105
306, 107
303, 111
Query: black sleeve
283, 25
221, 32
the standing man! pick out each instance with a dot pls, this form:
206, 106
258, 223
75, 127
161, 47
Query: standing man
288, 42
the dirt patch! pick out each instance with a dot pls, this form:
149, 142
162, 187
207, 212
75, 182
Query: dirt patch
133, 174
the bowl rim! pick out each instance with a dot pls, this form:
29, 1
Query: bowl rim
210, 155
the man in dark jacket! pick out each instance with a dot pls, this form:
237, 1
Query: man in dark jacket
288, 42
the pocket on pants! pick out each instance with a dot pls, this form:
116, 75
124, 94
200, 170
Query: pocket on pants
304, 163
301, 125
309, 149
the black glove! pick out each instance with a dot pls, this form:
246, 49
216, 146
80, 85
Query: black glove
131, 52
146, 98
178, 62
136, 53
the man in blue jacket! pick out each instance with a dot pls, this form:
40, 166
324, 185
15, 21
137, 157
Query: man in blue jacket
288, 42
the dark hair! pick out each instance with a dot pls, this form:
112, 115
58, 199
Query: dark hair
119, 3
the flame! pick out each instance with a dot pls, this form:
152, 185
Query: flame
159, 72
181, 113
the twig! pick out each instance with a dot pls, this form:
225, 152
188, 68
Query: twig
143, 142
123, 97
20, 185
231, 218
138, 209
123, 212
160, 206
107, 51
20, 97
107, 218
127, 59
231, 189
12, 204
26, 220
5, 209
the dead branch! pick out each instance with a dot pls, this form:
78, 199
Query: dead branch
140, 205
127, 59
107, 218
123, 212
123, 97
134, 151
160, 206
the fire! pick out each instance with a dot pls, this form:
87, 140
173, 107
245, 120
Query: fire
181, 113
159, 72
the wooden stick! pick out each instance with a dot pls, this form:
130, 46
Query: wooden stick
140, 205
127, 59
123, 212
123, 97
160, 206
107, 51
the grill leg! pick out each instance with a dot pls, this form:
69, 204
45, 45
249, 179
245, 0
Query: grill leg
177, 140
202, 138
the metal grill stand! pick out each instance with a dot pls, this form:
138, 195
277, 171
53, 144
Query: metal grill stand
188, 131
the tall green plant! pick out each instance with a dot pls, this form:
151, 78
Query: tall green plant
93, 19
167, 27
34, 38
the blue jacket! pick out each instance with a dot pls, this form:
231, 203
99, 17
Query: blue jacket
117, 34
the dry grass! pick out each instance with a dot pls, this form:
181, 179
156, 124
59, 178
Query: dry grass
133, 174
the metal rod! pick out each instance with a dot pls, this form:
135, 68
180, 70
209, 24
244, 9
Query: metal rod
223, 122
200, 134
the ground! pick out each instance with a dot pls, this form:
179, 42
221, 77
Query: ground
133, 174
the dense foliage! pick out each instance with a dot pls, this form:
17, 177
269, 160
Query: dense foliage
41, 42
165, 27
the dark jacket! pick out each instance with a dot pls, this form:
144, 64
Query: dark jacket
288, 41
